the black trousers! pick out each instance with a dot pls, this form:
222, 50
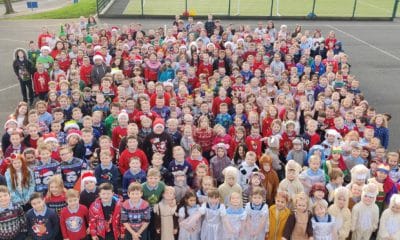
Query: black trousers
26, 84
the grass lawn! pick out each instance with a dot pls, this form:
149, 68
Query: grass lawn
83, 8
373, 8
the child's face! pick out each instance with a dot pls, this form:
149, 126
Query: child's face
90, 185
87, 137
179, 154
315, 164
301, 205
395, 208
135, 196
355, 190
255, 180
297, 147
230, 180
132, 144
105, 160
393, 161
291, 174
381, 176
5, 199
191, 201
105, 143
106, 195
152, 181
207, 184
135, 164
220, 152
319, 195
280, 203
196, 153
355, 152
169, 195
213, 200
338, 181
320, 211
368, 199
38, 204
250, 160
257, 199
73, 202
45, 155
341, 202
235, 200
266, 167
15, 139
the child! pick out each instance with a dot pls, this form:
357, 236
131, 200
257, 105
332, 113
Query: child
223, 116
105, 214
47, 167
230, 185
390, 220
132, 150
206, 183
41, 79
42, 222
246, 168
278, 215
310, 137
256, 180
189, 217
257, 222
393, 161
365, 214
234, 218
153, 187
336, 181
324, 225
74, 217
219, 162
196, 157
180, 185
340, 211
291, 184
89, 191
381, 129
133, 174
166, 222
313, 174
298, 225
212, 210
271, 180
386, 187
297, 153
20, 181
12, 220
71, 167
180, 164
317, 193
157, 163
16, 146
135, 213
107, 171
55, 198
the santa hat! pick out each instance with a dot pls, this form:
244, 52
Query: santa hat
97, 57
50, 137
44, 171
158, 122
71, 125
114, 29
86, 177
220, 145
182, 47
138, 58
8, 122
45, 48
123, 114
332, 132
168, 84
210, 45
74, 132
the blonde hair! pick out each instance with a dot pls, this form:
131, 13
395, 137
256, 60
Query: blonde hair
56, 179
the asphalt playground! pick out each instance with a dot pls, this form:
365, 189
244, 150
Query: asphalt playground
373, 48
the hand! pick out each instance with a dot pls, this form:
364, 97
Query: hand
158, 231
175, 231
95, 238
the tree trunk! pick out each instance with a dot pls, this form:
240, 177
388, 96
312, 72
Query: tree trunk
9, 8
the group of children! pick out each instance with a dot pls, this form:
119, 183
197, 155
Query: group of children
194, 132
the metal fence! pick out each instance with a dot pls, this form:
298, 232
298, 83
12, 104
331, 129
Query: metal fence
101, 5
296, 9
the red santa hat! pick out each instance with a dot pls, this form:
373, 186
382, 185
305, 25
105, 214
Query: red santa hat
74, 132
44, 171
50, 137
158, 122
138, 58
97, 57
114, 29
86, 177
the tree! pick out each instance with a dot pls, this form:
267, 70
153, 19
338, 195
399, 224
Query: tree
9, 8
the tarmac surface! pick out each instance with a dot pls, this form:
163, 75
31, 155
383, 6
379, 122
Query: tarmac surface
373, 48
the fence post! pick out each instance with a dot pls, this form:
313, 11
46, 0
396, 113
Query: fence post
97, 7
229, 7
186, 7
313, 9
141, 2
396, 5
354, 9
272, 6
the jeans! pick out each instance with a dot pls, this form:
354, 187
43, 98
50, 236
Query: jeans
26, 84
